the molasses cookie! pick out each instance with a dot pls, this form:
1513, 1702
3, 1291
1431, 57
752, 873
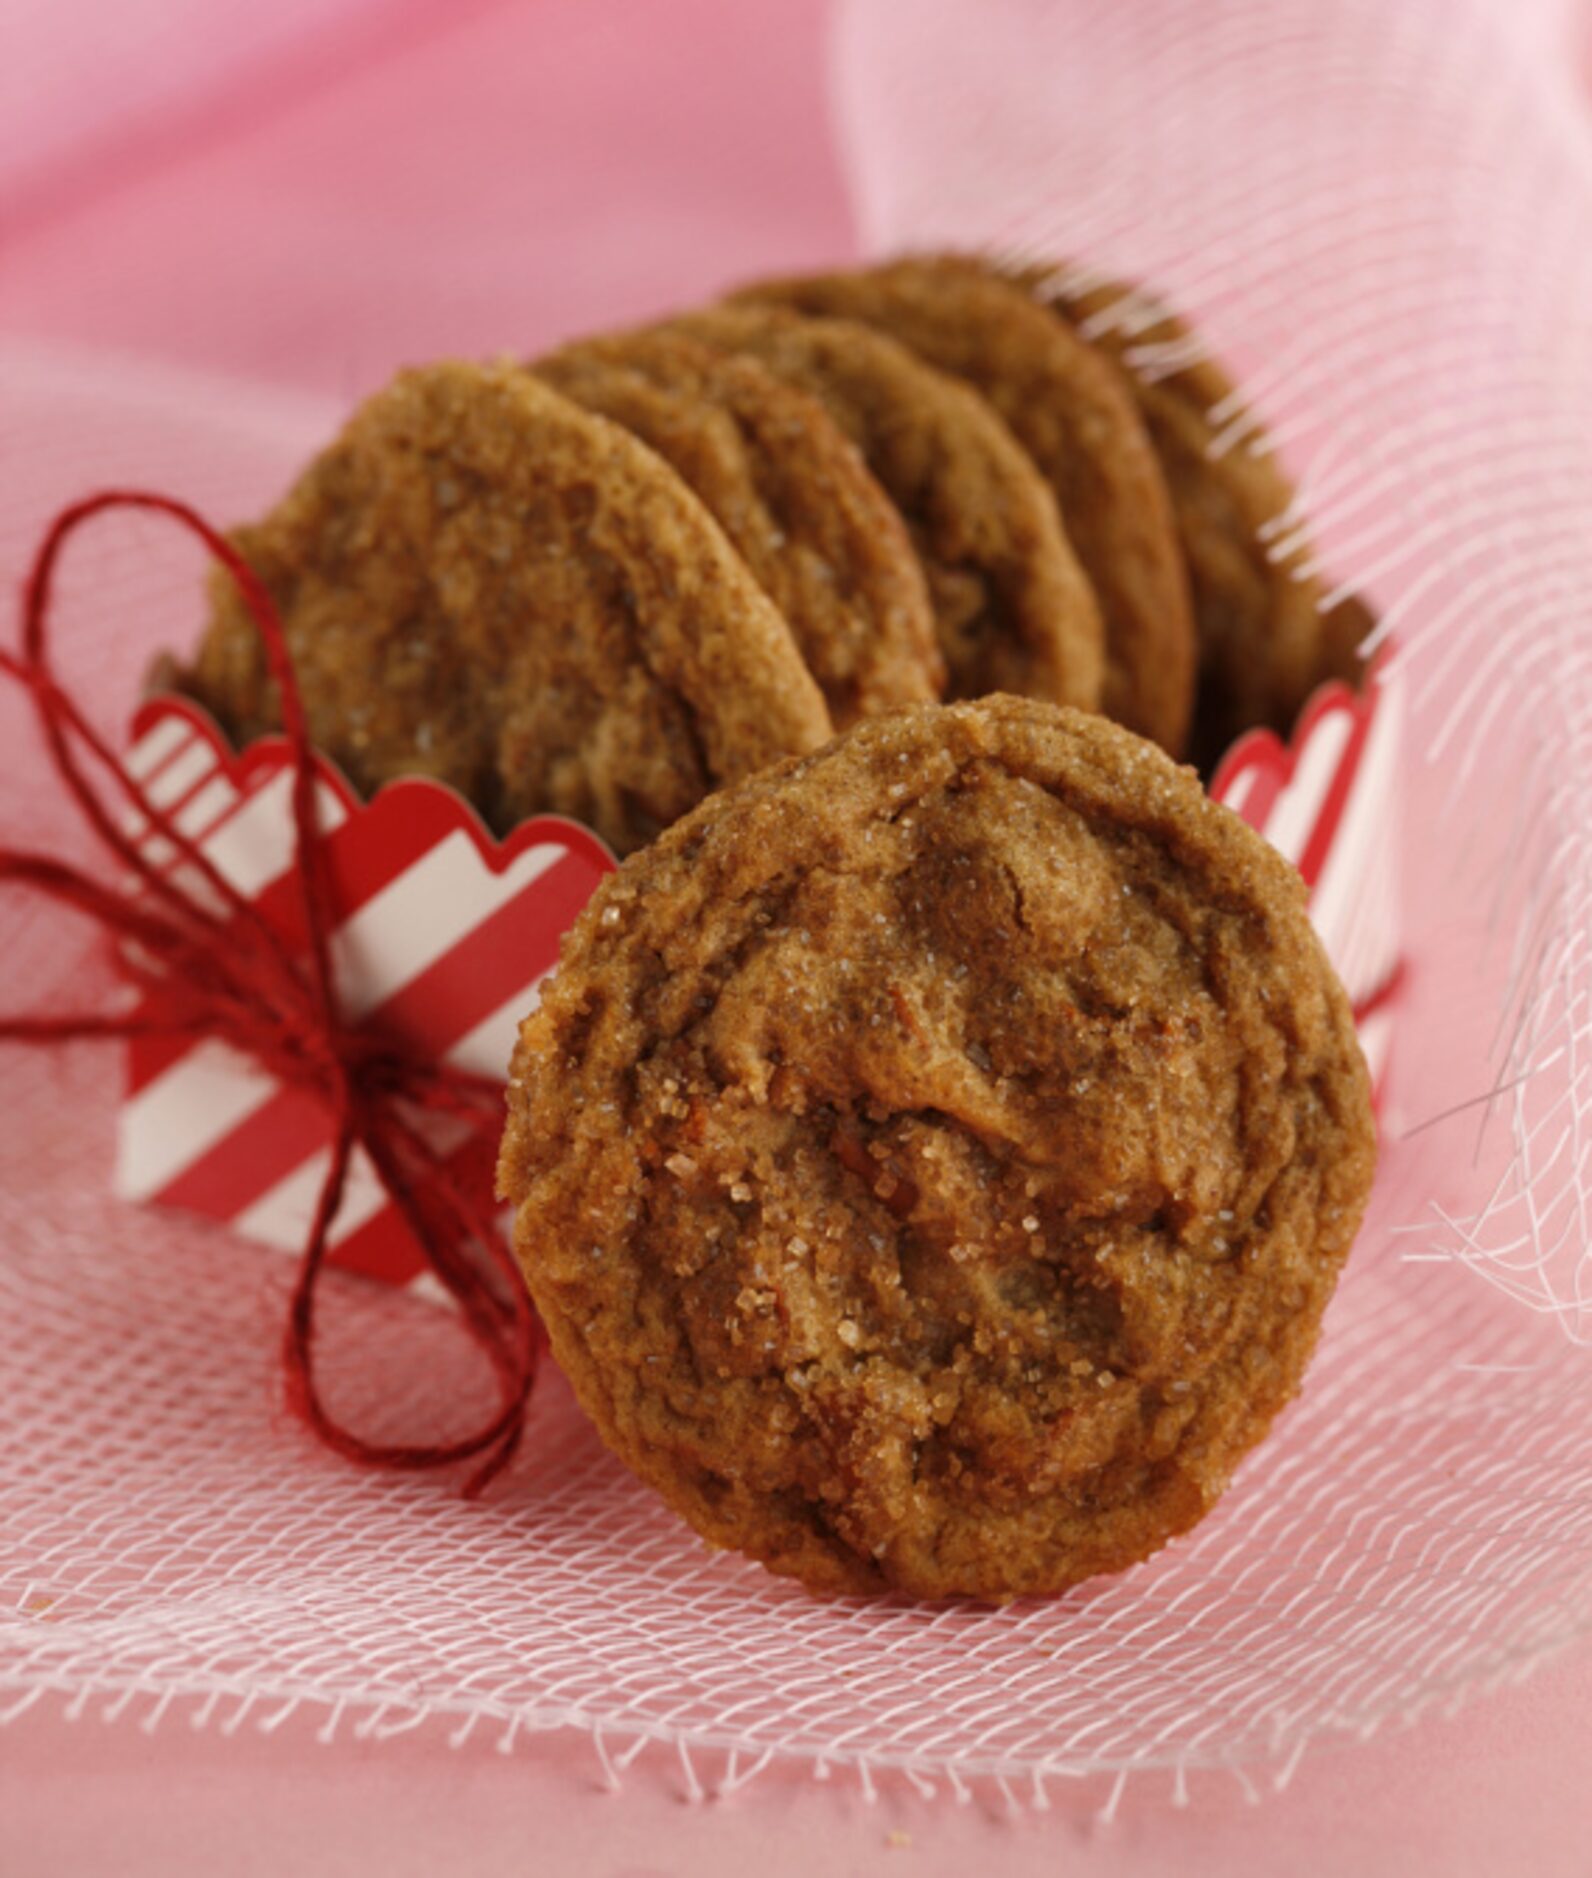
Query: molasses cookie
1265, 642
933, 1156
1344, 630
1072, 410
1013, 607
483, 583
793, 496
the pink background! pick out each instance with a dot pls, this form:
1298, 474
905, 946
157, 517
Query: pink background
307, 195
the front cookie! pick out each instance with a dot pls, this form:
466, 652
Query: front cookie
933, 1157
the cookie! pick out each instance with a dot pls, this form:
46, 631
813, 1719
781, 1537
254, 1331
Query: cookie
1345, 628
932, 1158
485, 584
1265, 640
794, 498
1013, 608
1073, 411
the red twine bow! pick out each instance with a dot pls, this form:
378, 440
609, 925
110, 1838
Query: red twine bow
226, 974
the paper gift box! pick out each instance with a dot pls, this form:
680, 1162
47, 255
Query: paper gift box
1328, 802
442, 936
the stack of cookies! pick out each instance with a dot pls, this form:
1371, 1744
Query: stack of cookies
609, 582
940, 1140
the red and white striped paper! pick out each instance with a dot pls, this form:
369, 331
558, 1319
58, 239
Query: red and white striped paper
1328, 802
443, 936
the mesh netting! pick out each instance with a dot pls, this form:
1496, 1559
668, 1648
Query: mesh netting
1379, 216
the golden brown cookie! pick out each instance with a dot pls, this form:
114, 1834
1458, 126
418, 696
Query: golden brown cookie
1014, 609
483, 583
1265, 642
792, 494
1344, 631
1075, 414
933, 1156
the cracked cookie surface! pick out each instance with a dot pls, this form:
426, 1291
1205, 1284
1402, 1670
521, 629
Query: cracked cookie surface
933, 1156
483, 583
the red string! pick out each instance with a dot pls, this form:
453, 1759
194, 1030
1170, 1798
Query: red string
226, 973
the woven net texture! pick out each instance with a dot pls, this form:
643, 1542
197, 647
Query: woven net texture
1378, 216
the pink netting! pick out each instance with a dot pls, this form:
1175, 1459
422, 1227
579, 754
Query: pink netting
1380, 216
